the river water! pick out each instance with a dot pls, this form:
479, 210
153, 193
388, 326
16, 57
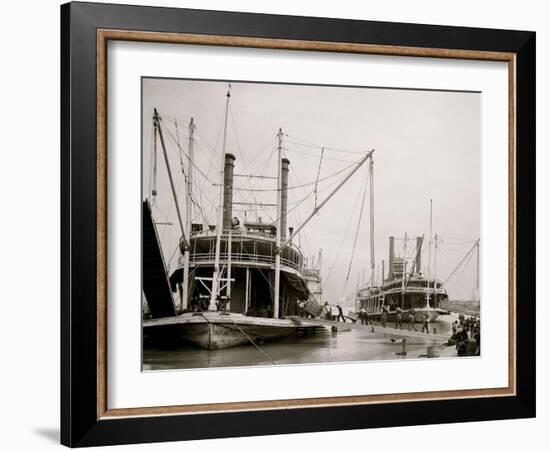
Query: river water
322, 347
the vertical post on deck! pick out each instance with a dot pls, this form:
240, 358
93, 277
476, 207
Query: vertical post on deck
278, 231
228, 289
247, 291
320, 274
477, 272
429, 260
219, 226
435, 271
188, 214
153, 188
371, 212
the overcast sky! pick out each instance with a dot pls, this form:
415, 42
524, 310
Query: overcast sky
427, 145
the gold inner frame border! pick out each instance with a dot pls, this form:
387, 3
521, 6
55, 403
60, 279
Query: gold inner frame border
105, 35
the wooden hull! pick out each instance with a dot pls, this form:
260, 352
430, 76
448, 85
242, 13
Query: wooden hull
215, 331
418, 317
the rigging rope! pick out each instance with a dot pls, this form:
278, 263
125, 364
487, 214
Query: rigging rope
313, 145
254, 343
468, 254
315, 156
180, 152
241, 153
308, 195
356, 235
318, 174
464, 267
213, 156
174, 119
246, 335
305, 184
170, 206
343, 240
205, 176
298, 217
187, 156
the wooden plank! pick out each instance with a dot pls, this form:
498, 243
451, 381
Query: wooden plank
388, 331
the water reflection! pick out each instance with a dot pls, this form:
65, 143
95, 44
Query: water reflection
321, 347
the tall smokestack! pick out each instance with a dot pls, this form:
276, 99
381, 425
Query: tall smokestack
284, 195
390, 261
418, 254
228, 190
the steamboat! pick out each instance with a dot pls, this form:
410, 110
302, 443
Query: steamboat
236, 283
407, 289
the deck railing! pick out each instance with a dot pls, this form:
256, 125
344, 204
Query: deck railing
198, 258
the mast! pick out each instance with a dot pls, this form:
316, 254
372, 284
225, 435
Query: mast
156, 120
320, 268
429, 260
405, 239
435, 268
371, 207
278, 230
188, 214
153, 187
477, 273
216, 275
404, 271
228, 289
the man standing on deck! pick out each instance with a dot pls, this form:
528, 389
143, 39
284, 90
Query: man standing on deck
340, 314
425, 322
384, 317
301, 308
327, 312
411, 319
398, 318
363, 316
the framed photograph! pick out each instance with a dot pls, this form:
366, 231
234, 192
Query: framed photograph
277, 224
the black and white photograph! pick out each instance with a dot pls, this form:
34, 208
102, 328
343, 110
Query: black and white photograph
289, 224
275, 225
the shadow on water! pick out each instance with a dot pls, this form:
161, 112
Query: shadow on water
322, 347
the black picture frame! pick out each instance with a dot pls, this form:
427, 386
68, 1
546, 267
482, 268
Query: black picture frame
80, 424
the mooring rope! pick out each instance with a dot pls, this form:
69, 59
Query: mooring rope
253, 343
245, 334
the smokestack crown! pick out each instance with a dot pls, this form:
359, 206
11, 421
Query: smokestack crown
284, 196
228, 190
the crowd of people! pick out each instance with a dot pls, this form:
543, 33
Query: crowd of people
466, 336
328, 313
408, 316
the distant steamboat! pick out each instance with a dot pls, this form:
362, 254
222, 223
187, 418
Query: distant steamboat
406, 289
